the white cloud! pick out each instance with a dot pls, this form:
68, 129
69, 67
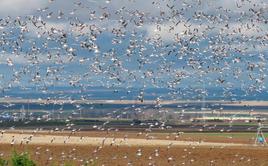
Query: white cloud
22, 59
14, 59
169, 31
20, 7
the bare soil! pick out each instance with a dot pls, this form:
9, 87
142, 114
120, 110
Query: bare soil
155, 154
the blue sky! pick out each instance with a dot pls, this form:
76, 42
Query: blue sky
139, 44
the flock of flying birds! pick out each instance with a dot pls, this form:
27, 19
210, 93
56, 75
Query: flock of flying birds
176, 44
169, 44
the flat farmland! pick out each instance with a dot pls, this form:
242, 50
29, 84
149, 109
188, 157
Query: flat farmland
114, 155
84, 147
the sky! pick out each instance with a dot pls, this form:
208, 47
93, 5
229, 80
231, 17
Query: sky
134, 43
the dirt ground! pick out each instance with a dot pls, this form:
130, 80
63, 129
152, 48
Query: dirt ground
238, 137
141, 155
154, 155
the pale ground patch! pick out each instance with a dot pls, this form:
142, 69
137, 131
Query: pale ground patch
43, 139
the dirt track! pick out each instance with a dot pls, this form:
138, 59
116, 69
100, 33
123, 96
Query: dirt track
42, 139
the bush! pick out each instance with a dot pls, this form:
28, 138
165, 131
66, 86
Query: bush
21, 160
68, 164
3, 162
